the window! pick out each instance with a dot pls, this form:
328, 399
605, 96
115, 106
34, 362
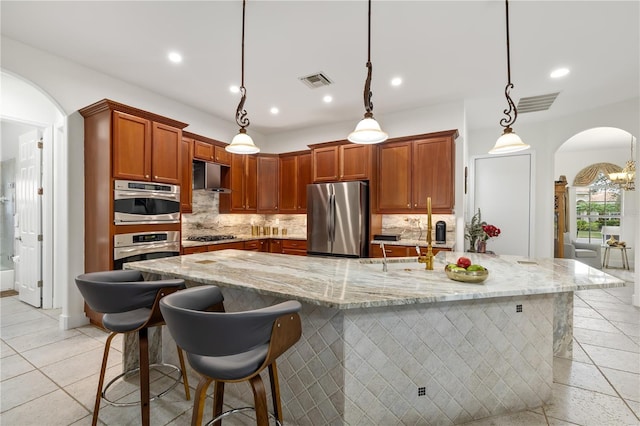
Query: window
598, 211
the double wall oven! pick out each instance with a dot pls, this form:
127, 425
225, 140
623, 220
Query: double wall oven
137, 204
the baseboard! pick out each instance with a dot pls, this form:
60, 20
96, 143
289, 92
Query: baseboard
74, 321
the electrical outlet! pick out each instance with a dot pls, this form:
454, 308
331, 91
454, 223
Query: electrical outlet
518, 308
422, 391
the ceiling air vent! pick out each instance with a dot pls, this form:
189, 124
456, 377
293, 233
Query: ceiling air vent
536, 103
316, 80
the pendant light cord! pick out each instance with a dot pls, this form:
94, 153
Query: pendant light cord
511, 113
241, 113
368, 105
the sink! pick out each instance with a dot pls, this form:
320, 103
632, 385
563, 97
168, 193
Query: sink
395, 264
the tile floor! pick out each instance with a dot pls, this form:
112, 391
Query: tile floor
48, 376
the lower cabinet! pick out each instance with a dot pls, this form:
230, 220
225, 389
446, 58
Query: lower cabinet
257, 245
275, 246
297, 247
400, 251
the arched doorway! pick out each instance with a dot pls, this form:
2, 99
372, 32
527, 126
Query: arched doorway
28, 113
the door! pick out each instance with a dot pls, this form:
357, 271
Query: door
502, 192
319, 198
348, 224
28, 215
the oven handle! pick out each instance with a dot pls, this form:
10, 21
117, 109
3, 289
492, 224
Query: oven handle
133, 218
122, 252
126, 195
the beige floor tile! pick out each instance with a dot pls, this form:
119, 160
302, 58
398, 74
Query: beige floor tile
522, 418
585, 407
594, 324
635, 407
613, 358
33, 326
40, 338
585, 376
14, 365
55, 408
627, 384
596, 296
78, 367
12, 305
5, 350
586, 312
22, 389
608, 340
628, 328
558, 422
57, 351
579, 354
19, 317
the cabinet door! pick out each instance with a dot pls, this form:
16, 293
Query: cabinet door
288, 198
203, 151
131, 147
222, 156
304, 178
355, 162
165, 153
236, 184
251, 183
186, 181
433, 174
390, 251
195, 249
275, 246
238, 245
267, 184
325, 164
394, 177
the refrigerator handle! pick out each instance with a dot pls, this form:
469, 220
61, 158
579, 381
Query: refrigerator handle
332, 217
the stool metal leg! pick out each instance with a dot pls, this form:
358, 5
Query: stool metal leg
144, 375
103, 369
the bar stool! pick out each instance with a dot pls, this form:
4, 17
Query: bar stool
129, 304
228, 347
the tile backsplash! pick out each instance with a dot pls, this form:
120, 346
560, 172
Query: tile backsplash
206, 219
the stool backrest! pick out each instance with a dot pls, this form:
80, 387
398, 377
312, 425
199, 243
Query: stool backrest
121, 290
218, 333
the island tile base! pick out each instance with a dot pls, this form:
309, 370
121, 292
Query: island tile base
443, 363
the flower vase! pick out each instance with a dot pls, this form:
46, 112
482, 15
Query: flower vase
482, 247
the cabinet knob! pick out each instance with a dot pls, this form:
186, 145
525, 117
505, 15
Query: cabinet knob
146, 176
415, 205
408, 204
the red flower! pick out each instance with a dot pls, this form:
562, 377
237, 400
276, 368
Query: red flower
490, 231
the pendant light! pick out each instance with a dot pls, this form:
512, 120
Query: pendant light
509, 141
242, 142
626, 178
368, 130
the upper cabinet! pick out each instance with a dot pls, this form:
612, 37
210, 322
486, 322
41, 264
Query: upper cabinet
413, 168
295, 175
241, 178
145, 150
267, 183
209, 150
341, 161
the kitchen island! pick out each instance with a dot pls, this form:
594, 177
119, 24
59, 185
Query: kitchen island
407, 346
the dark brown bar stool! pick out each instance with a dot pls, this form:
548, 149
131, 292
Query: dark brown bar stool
129, 305
228, 347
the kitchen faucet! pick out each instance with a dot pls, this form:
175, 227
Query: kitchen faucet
384, 258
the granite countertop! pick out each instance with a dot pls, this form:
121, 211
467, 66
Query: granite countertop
360, 283
240, 238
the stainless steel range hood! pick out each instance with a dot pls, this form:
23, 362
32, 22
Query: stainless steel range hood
207, 176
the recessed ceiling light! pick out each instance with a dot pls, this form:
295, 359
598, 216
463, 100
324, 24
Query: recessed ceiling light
327, 98
396, 81
175, 57
234, 89
274, 110
558, 73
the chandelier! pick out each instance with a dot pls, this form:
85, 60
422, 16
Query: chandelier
626, 178
509, 141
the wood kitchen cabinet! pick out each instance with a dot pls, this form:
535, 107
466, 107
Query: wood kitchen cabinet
186, 180
296, 247
414, 168
295, 175
145, 150
257, 245
241, 178
209, 150
341, 161
267, 183
221, 156
123, 142
203, 151
401, 251
275, 246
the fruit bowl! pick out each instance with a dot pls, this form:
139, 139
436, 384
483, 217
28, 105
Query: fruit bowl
473, 277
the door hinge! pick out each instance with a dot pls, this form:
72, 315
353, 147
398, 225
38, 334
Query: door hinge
40, 237
40, 191
40, 284
40, 144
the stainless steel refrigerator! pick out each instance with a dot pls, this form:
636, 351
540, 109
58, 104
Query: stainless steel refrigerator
338, 219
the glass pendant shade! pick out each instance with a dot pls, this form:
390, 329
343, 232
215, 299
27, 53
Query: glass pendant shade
242, 144
367, 131
508, 142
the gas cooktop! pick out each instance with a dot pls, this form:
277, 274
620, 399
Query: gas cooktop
207, 238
